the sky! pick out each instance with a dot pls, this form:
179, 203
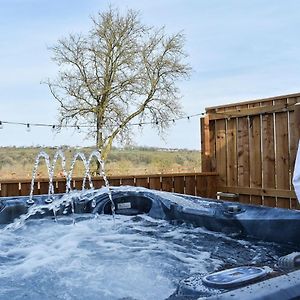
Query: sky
238, 50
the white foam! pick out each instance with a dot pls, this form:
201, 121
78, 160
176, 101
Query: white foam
104, 259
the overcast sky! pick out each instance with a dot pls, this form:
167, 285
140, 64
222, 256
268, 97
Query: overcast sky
239, 50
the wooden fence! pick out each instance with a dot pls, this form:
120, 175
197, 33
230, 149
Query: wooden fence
252, 146
198, 184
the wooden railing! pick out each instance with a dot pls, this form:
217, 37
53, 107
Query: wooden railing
198, 184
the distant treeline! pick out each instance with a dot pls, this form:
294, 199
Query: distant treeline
17, 162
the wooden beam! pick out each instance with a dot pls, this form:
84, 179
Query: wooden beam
253, 101
258, 191
238, 113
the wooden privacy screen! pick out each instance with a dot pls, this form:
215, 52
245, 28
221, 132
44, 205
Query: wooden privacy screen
199, 184
252, 146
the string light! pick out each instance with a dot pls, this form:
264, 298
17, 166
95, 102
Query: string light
78, 127
173, 120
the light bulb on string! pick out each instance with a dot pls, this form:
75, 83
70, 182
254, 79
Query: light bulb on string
79, 127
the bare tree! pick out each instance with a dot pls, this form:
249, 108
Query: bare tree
118, 73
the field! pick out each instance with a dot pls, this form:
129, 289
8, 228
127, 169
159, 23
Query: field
17, 163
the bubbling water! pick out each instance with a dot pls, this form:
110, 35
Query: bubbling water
93, 260
138, 257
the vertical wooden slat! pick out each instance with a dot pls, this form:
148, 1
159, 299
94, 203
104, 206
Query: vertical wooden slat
36, 190
205, 144
255, 154
98, 182
12, 189
128, 181
231, 152
4, 188
44, 187
268, 161
143, 182
201, 186
167, 183
61, 186
77, 184
114, 181
190, 184
212, 141
231, 147
221, 158
282, 154
211, 186
243, 156
179, 184
155, 183
25, 188
55, 185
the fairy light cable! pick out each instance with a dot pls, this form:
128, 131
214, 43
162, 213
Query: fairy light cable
28, 125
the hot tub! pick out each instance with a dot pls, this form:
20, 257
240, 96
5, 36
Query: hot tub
159, 245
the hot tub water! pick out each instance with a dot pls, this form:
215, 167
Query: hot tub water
137, 257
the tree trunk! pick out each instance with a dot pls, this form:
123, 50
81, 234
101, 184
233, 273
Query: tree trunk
99, 142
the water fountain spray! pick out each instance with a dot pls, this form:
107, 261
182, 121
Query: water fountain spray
58, 154
44, 155
97, 155
87, 174
79, 155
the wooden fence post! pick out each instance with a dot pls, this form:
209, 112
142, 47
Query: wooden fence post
205, 145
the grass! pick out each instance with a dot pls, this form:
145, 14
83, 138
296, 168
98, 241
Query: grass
17, 163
